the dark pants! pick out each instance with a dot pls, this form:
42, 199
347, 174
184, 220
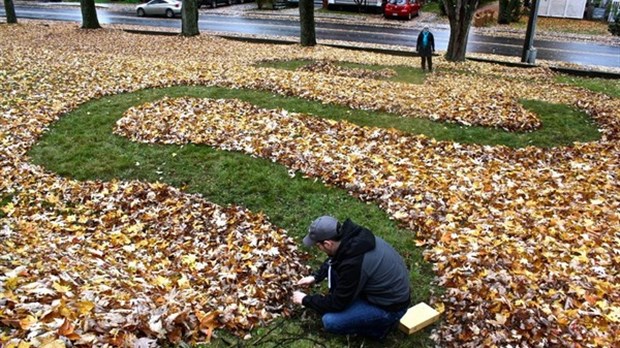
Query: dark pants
428, 59
362, 318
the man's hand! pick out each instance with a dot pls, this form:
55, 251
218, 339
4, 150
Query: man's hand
298, 297
309, 280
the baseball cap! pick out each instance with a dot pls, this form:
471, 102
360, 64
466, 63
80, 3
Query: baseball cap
323, 228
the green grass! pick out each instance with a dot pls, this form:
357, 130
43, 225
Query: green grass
81, 146
403, 73
433, 6
4, 200
610, 87
562, 125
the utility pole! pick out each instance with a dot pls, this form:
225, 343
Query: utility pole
529, 52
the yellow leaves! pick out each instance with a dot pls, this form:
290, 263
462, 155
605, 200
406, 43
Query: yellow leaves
85, 307
614, 314
54, 344
162, 282
400, 215
183, 282
500, 319
135, 228
189, 260
27, 322
11, 283
118, 238
63, 289
8, 208
23, 344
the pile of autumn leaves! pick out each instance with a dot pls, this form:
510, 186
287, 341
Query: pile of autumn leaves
525, 242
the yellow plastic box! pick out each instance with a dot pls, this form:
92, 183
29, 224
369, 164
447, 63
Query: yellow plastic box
417, 318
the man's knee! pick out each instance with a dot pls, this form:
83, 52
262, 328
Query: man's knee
330, 323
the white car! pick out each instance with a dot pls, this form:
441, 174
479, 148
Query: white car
168, 8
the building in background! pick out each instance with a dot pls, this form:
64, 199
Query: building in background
562, 8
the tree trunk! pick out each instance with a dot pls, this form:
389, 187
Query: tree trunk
189, 18
460, 14
503, 16
89, 15
11, 17
306, 20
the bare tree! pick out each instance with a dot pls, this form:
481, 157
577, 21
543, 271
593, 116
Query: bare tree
89, 15
11, 17
306, 20
460, 14
189, 18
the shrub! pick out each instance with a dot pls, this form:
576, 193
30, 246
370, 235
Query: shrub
509, 11
503, 16
515, 10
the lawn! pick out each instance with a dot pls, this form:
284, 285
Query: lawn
156, 197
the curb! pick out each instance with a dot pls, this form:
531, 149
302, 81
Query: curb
587, 73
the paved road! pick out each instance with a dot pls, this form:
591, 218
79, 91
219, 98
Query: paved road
573, 52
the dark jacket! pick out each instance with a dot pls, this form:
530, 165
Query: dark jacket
429, 48
365, 267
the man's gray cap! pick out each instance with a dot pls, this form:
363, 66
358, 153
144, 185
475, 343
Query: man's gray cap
323, 228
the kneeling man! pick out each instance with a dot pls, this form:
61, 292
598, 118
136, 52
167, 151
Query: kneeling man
367, 279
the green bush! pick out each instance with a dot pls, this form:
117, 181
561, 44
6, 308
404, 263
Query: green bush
509, 11
515, 10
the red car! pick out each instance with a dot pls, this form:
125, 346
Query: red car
402, 8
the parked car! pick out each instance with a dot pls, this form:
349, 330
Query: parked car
402, 8
375, 6
168, 8
214, 3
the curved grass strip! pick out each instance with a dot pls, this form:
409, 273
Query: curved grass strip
562, 124
403, 73
81, 146
609, 87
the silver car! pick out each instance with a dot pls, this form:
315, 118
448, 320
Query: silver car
168, 8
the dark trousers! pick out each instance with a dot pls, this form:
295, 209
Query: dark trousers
362, 318
428, 59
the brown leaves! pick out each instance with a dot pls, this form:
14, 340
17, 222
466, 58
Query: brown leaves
524, 241
330, 68
130, 270
507, 228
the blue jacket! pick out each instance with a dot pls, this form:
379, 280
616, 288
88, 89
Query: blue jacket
429, 48
365, 266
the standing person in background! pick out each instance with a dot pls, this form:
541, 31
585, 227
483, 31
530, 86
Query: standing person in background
368, 281
426, 47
